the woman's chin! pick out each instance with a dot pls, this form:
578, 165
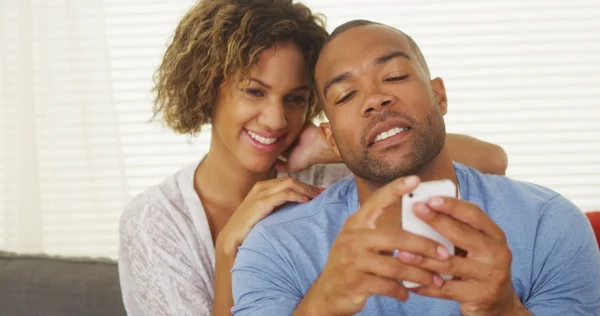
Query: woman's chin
258, 164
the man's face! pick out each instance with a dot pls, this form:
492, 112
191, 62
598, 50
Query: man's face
385, 114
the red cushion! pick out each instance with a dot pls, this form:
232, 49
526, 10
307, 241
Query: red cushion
594, 218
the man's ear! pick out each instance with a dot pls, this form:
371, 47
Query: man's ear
439, 90
327, 134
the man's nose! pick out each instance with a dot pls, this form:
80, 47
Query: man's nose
376, 102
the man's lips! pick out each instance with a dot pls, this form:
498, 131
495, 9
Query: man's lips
387, 129
390, 135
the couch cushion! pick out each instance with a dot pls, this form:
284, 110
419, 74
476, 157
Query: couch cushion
33, 285
594, 218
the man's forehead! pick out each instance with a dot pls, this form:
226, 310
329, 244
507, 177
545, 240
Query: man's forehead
360, 44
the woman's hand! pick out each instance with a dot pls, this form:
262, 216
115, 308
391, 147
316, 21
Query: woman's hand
263, 198
310, 148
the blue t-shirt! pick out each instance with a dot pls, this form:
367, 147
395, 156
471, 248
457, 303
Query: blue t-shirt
555, 267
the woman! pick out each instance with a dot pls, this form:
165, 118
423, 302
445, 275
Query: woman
244, 67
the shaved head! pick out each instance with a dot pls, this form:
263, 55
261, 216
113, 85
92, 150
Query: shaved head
358, 23
385, 112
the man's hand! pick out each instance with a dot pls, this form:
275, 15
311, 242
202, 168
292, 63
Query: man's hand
482, 283
358, 266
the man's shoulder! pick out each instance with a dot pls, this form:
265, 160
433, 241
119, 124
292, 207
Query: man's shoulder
332, 199
489, 188
533, 217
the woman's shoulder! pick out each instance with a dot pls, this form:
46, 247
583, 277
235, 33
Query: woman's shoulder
165, 260
155, 201
323, 175
164, 207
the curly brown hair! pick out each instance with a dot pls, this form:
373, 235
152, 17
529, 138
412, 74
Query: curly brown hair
218, 39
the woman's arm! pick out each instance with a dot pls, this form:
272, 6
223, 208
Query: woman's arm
311, 149
264, 197
483, 156
224, 259
156, 273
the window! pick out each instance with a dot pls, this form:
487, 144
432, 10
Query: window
75, 80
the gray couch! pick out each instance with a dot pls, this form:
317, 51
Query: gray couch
32, 285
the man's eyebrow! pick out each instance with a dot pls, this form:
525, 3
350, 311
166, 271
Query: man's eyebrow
387, 57
337, 79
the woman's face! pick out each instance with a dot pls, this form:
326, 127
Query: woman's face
257, 119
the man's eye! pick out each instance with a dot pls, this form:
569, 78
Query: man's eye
346, 97
254, 92
296, 99
395, 79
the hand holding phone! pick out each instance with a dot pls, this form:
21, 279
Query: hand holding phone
411, 223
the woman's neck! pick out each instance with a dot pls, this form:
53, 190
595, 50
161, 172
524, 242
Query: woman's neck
223, 180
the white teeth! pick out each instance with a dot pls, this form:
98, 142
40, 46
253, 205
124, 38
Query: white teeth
389, 133
260, 139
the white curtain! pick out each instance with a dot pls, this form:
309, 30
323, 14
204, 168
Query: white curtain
63, 171
75, 80
521, 73
75, 142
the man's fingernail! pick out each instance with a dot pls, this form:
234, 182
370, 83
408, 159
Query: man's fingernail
422, 209
371, 225
442, 252
412, 180
406, 256
438, 281
436, 201
358, 300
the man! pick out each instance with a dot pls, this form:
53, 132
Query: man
529, 250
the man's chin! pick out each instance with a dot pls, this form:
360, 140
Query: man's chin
402, 166
393, 160
383, 171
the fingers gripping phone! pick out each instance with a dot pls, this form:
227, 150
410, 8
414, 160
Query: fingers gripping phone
412, 224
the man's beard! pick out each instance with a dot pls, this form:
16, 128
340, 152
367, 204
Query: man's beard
428, 141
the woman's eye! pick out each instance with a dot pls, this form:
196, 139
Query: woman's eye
254, 92
346, 97
395, 79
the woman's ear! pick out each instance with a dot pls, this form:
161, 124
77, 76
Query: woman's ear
327, 134
439, 89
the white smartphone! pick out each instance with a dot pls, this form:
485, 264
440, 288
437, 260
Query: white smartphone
411, 223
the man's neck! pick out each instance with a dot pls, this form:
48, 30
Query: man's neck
439, 168
221, 178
